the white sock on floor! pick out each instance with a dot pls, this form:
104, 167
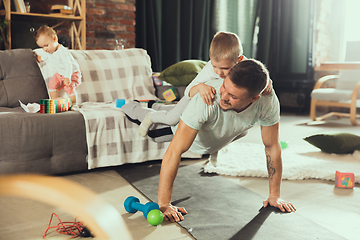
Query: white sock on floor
145, 125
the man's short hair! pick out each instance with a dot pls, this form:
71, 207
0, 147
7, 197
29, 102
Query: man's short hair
250, 74
225, 45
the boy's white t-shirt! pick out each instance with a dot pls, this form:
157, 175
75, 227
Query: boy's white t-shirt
62, 60
206, 74
217, 127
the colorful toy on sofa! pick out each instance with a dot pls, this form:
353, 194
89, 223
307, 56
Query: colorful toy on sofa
50, 106
157, 81
344, 179
171, 94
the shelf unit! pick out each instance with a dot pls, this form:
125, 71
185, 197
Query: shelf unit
77, 33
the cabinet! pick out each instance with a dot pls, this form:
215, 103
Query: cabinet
77, 29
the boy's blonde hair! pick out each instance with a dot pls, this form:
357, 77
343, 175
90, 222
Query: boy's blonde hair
44, 30
225, 45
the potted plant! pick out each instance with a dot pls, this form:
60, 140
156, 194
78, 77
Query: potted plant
3, 24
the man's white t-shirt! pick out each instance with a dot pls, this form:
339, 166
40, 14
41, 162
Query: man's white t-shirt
217, 127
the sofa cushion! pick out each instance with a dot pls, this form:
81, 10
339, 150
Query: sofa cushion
42, 143
20, 78
182, 73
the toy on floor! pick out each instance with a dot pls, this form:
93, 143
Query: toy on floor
74, 229
283, 144
155, 217
150, 210
344, 179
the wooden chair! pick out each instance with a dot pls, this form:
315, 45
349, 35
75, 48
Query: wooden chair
345, 94
102, 219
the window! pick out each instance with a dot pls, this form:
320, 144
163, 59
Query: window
352, 20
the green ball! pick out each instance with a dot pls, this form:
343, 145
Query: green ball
155, 217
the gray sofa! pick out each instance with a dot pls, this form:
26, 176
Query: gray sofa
59, 143
35, 143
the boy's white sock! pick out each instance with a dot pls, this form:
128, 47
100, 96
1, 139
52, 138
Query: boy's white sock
213, 158
145, 125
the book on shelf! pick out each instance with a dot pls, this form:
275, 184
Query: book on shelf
61, 9
20, 6
17, 6
59, 6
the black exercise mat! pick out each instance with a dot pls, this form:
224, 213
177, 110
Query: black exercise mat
220, 209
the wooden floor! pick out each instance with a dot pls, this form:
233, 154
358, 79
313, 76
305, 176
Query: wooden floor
320, 201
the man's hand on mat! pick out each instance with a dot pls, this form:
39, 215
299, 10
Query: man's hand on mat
279, 203
172, 213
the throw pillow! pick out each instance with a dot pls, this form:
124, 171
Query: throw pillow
339, 143
182, 73
20, 78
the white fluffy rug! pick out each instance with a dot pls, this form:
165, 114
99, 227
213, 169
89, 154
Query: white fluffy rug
248, 159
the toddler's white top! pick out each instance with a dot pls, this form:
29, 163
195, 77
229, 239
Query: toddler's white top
62, 60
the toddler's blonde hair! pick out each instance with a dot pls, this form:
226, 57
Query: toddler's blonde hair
44, 30
225, 45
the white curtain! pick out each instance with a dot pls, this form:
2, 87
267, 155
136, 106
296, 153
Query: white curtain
330, 30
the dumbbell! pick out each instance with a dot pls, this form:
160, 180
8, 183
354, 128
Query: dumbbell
132, 205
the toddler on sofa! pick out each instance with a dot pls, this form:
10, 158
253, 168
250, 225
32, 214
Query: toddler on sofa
68, 73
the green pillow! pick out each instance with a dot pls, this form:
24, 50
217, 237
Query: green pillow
338, 143
182, 73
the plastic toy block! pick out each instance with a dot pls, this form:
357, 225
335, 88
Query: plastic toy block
344, 179
157, 81
120, 102
171, 94
49, 106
